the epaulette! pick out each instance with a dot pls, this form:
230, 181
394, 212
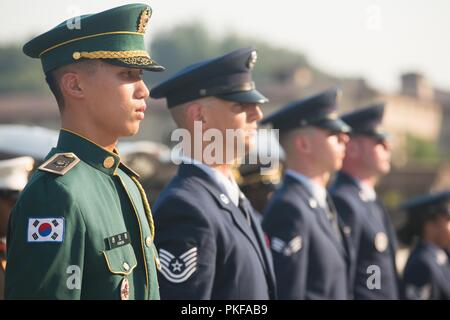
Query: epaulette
60, 163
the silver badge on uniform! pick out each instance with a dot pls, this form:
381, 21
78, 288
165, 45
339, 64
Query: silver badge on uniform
313, 203
224, 198
381, 241
441, 258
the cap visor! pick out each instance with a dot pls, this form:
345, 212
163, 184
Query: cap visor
336, 125
139, 63
252, 96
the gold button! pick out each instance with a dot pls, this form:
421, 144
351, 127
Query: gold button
126, 266
148, 241
109, 162
76, 55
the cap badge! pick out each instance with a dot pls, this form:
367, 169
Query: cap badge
252, 60
143, 20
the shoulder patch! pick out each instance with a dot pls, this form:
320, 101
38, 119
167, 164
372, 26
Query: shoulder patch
178, 269
289, 248
60, 163
45, 229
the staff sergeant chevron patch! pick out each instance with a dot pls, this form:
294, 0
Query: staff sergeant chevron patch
178, 269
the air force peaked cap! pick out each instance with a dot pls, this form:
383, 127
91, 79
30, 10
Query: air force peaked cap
228, 77
428, 204
367, 121
319, 111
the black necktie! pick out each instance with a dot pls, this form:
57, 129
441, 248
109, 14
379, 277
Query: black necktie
243, 205
332, 217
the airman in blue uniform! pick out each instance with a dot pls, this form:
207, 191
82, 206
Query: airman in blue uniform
373, 273
210, 243
427, 272
310, 249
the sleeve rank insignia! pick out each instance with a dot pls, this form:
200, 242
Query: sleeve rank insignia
60, 163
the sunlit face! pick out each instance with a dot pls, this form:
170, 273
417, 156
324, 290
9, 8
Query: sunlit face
375, 154
115, 99
328, 148
233, 117
442, 231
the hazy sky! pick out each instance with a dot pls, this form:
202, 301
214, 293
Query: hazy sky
377, 39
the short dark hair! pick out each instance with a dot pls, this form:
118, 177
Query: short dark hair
53, 84
53, 77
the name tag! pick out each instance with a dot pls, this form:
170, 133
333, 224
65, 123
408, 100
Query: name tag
118, 240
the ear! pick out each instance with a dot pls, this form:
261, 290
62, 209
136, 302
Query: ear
195, 112
352, 148
302, 143
71, 86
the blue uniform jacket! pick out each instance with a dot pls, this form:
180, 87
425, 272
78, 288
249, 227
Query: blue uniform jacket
427, 274
207, 248
310, 261
374, 241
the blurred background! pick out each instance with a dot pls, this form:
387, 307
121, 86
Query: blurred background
393, 51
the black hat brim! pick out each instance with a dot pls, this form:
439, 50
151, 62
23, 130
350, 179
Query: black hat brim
141, 63
251, 96
335, 125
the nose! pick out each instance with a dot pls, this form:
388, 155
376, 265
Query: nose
254, 113
142, 91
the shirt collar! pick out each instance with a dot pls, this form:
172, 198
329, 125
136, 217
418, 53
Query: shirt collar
89, 152
366, 192
318, 192
229, 186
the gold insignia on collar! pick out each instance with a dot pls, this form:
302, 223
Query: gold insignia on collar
143, 20
60, 163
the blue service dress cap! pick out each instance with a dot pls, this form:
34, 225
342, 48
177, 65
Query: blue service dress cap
367, 121
319, 110
428, 204
228, 77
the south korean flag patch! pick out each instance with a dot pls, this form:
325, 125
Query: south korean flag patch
178, 269
45, 230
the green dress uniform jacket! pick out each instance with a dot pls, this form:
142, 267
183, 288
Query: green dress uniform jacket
81, 229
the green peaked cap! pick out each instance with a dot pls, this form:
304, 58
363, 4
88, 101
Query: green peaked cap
115, 36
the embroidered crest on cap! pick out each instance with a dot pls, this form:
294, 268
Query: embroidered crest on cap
143, 20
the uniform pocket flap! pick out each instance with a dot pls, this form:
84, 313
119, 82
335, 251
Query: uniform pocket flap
121, 260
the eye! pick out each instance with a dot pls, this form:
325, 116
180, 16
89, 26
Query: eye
133, 74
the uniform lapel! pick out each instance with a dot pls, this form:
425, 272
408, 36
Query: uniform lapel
319, 213
257, 230
225, 203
